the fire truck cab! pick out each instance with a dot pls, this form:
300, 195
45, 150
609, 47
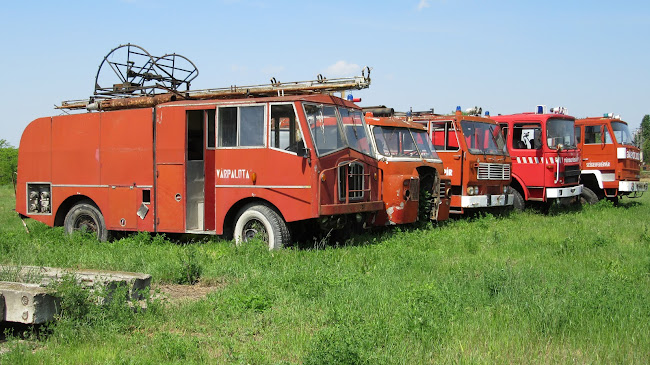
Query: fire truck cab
412, 183
545, 157
476, 160
242, 161
611, 164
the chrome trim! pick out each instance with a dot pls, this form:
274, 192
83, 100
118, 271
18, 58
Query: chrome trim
266, 186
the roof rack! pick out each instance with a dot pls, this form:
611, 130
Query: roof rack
159, 79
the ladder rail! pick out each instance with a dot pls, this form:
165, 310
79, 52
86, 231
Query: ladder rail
113, 99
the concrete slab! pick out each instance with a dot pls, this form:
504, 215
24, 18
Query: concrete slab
137, 283
28, 300
27, 303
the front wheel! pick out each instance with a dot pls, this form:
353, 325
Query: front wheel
85, 217
519, 204
258, 220
588, 196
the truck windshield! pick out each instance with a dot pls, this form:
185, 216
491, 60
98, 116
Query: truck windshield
424, 144
326, 129
483, 138
560, 131
395, 142
355, 130
622, 133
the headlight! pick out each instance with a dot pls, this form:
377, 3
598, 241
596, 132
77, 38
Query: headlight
505, 190
476, 190
470, 190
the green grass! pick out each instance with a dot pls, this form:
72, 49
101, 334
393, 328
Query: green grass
571, 286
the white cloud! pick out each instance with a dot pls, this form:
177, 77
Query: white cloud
341, 69
423, 4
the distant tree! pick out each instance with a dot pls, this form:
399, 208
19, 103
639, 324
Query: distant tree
645, 138
8, 161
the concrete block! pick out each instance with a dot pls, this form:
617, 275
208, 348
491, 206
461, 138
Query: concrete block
27, 303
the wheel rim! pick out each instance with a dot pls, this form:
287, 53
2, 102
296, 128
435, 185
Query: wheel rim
85, 223
254, 229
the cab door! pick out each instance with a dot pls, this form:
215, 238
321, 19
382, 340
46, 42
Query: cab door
170, 152
597, 148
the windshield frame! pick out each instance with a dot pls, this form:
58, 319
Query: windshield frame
312, 119
401, 131
495, 132
625, 130
551, 140
427, 139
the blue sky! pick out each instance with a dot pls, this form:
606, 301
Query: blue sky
592, 57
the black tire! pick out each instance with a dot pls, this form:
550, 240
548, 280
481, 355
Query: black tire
84, 216
519, 204
258, 220
588, 196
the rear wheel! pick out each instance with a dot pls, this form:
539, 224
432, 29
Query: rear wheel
85, 217
260, 221
588, 196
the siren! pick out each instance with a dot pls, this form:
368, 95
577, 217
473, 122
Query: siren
559, 110
474, 111
540, 109
487, 113
353, 99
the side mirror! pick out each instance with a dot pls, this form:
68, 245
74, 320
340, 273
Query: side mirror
303, 152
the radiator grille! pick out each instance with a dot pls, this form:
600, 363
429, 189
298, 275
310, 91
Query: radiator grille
493, 171
415, 189
351, 178
571, 174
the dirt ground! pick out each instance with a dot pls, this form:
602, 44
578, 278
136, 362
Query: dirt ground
178, 293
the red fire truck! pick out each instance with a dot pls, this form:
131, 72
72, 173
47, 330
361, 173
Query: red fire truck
247, 161
611, 164
475, 158
411, 168
545, 158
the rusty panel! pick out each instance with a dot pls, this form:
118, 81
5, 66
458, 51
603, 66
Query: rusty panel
122, 208
126, 152
170, 198
75, 149
33, 158
170, 135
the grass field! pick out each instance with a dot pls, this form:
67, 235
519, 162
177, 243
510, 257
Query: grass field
572, 286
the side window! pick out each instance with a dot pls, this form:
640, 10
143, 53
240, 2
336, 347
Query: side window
285, 131
527, 136
241, 126
211, 142
594, 134
578, 132
443, 136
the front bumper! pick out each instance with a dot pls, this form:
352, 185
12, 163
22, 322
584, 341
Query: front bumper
629, 186
555, 193
484, 201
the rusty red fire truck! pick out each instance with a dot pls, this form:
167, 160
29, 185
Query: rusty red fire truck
611, 164
412, 185
476, 160
545, 157
245, 161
